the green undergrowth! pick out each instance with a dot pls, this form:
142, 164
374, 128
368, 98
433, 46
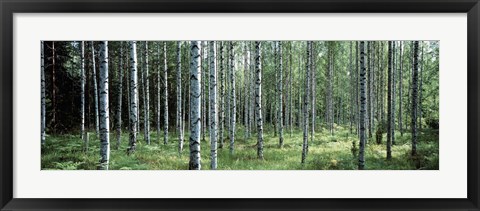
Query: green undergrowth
326, 152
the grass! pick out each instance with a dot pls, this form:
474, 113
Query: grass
326, 152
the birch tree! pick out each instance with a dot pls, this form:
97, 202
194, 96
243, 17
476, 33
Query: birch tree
179, 98
246, 92
213, 105
104, 109
195, 95
146, 119
234, 100
120, 93
43, 104
165, 91
363, 99
280, 97
389, 102
158, 94
306, 100
82, 93
414, 104
258, 99
133, 98
95, 90
221, 117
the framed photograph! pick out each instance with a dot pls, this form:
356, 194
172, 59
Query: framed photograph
264, 105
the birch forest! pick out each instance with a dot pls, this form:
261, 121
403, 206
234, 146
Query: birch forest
239, 105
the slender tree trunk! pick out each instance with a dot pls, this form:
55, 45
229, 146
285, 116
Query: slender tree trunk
95, 90
363, 118
133, 98
165, 95
82, 93
146, 97
104, 109
120, 94
414, 98
221, 116
159, 98
203, 103
195, 99
280, 92
369, 86
389, 101
234, 100
306, 99
290, 86
394, 70
179, 99
258, 99
246, 94
213, 105
43, 104
400, 94
352, 90
420, 107
314, 87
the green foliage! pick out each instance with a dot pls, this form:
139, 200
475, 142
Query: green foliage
326, 152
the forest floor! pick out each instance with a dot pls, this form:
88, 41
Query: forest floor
326, 152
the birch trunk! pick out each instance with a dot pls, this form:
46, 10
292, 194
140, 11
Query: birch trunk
104, 109
394, 70
414, 98
213, 106
120, 94
95, 90
165, 95
195, 98
159, 98
363, 118
246, 92
258, 99
133, 98
221, 116
179, 98
82, 93
400, 94
43, 104
280, 97
389, 101
234, 100
306, 99
146, 106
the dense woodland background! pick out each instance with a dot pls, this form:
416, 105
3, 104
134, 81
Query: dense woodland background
240, 105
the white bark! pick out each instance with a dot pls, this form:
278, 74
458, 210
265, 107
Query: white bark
104, 109
195, 98
146, 104
258, 99
280, 92
95, 90
120, 93
43, 104
213, 106
133, 97
234, 102
158, 95
165, 94
306, 99
179, 98
82, 93
221, 117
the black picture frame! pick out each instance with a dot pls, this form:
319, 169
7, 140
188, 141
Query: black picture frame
9, 7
